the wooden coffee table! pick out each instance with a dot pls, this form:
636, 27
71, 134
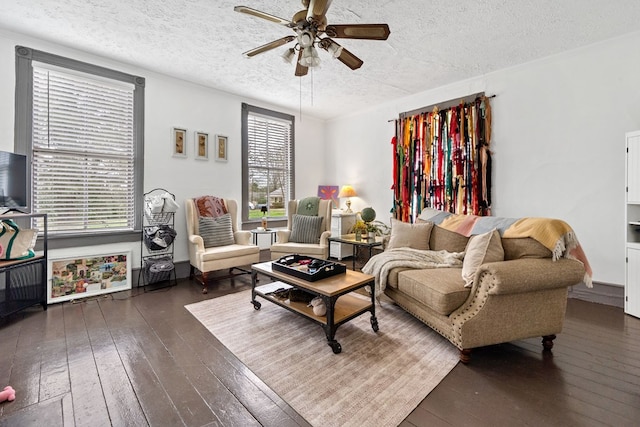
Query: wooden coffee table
335, 291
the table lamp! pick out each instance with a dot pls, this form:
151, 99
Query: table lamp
347, 191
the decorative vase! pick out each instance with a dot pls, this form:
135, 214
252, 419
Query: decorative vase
358, 236
372, 236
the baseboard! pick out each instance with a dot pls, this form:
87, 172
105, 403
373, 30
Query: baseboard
601, 293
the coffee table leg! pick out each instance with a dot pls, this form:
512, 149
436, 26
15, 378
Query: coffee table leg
254, 279
330, 329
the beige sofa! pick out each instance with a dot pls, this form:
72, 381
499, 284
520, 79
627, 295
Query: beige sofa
523, 296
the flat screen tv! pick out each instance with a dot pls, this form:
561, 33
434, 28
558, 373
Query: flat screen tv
13, 182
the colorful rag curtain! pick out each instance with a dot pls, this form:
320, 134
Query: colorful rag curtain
442, 160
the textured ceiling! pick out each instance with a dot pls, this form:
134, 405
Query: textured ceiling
432, 43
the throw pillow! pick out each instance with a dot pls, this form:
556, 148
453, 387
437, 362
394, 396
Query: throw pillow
441, 238
309, 206
482, 248
405, 235
305, 229
216, 231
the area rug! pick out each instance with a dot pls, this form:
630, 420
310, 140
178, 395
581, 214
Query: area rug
377, 379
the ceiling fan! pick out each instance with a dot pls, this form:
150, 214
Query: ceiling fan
309, 25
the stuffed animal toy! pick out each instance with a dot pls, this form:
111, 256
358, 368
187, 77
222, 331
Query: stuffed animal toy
7, 394
319, 307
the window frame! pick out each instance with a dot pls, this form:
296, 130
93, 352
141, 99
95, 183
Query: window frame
246, 111
23, 136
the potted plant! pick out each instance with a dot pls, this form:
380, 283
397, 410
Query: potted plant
359, 228
372, 227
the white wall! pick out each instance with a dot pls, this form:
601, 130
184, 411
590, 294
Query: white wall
558, 140
558, 143
173, 102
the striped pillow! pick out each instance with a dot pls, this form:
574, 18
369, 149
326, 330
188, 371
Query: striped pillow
305, 229
216, 231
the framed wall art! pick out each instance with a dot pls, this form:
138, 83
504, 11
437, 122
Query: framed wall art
86, 276
329, 192
221, 148
202, 145
179, 142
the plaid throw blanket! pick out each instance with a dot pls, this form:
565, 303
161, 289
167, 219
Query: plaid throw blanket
556, 235
210, 206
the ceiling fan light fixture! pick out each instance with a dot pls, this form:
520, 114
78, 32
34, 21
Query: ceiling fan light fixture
288, 55
335, 50
306, 38
309, 57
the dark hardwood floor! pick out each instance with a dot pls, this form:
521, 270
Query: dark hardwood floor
139, 358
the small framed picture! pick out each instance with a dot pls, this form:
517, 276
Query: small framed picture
179, 142
221, 148
202, 145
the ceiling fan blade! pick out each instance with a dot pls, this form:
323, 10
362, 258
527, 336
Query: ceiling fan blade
358, 31
301, 70
263, 15
271, 45
344, 56
317, 10
349, 59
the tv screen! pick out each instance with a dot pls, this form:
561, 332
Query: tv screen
13, 181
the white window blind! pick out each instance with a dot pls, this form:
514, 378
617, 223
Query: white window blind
83, 152
270, 162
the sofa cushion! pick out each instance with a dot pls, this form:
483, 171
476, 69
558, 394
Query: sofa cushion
482, 248
406, 235
216, 231
305, 229
443, 239
441, 289
392, 278
524, 247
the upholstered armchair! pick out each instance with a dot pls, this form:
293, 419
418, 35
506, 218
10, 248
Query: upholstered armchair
305, 234
217, 244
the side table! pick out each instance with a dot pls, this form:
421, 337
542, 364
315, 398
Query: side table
256, 232
350, 239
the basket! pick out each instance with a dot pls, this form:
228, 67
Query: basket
158, 269
158, 218
159, 238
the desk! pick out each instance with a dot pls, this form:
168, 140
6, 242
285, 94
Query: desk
254, 234
350, 239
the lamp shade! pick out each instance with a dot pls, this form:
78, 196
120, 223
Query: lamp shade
309, 57
347, 191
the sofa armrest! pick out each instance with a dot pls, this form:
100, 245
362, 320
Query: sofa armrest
529, 275
242, 237
196, 241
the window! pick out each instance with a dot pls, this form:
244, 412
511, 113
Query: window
82, 127
268, 166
